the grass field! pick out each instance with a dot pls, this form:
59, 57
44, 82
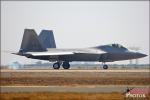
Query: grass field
67, 96
74, 78
74, 81
71, 78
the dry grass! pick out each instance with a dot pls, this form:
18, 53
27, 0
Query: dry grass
74, 78
75, 81
61, 96
73, 74
66, 96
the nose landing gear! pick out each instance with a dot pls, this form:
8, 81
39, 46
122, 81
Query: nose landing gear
104, 65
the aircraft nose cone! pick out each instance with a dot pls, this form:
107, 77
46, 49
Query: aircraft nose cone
140, 55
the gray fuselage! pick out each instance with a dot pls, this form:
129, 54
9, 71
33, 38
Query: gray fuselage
105, 53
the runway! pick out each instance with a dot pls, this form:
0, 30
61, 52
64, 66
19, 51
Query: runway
70, 70
84, 89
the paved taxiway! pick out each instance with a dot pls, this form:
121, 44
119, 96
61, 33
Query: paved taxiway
85, 89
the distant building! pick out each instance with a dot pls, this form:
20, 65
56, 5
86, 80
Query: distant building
15, 65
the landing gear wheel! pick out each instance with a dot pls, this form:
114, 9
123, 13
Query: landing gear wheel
66, 65
56, 65
105, 66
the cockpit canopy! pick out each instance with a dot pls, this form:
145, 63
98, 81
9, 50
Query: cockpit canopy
117, 46
111, 47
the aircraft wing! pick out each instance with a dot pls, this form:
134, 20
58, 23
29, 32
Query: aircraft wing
63, 53
49, 53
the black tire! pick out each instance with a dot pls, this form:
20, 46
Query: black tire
56, 65
105, 66
66, 65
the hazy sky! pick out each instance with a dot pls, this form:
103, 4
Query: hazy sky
76, 24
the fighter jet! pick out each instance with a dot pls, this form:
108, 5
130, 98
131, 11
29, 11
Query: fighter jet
43, 47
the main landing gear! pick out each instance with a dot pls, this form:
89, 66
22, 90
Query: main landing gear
65, 65
105, 66
56, 65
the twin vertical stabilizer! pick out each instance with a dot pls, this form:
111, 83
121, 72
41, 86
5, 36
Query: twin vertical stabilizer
46, 37
33, 43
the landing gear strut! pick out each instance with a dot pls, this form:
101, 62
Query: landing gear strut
66, 65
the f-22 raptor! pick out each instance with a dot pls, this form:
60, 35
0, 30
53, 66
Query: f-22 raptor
43, 47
